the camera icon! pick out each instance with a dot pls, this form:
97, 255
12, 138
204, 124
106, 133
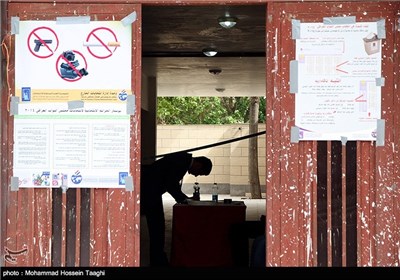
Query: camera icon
70, 70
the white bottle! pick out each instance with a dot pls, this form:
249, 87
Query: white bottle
215, 192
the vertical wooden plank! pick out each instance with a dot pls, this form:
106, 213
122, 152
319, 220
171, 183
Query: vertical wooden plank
351, 203
307, 205
78, 228
85, 223
116, 227
4, 124
43, 222
132, 230
10, 243
25, 229
70, 224
396, 209
321, 201
30, 195
63, 229
133, 198
94, 246
366, 204
396, 120
314, 213
344, 205
21, 224
302, 201
336, 203
329, 202
273, 114
360, 206
98, 234
371, 206
56, 227
385, 246
11, 238
289, 156
9, 199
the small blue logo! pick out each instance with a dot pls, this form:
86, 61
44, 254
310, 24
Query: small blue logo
122, 95
26, 94
76, 178
122, 176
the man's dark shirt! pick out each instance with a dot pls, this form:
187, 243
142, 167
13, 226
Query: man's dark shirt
165, 175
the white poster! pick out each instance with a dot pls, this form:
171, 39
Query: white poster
339, 79
72, 128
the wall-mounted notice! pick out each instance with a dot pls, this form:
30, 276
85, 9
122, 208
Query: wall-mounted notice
339, 69
72, 128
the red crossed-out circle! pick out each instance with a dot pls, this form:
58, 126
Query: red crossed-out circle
61, 57
34, 36
98, 39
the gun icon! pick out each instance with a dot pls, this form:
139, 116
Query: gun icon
40, 43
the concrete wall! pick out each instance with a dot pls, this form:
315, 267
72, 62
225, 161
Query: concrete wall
230, 161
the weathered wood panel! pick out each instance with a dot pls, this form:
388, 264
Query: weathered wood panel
96, 227
371, 183
396, 137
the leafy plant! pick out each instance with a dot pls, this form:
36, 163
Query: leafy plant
205, 110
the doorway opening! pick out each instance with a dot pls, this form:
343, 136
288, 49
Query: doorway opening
174, 66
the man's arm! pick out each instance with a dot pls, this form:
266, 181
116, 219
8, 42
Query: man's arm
176, 192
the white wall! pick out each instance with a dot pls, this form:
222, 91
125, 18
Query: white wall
230, 161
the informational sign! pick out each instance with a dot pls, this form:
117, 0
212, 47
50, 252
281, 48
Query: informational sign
72, 128
339, 81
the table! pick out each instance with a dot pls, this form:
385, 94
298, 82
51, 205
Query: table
203, 234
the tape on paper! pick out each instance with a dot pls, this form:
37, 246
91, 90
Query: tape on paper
14, 25
294, 134
64, 188
129, 19
343, 139
294, 76
380, 133
339, 20
129, 183
380, 82
14, 184
73, 20
130, 105
381, 29
295, 29
14, 105
75, 104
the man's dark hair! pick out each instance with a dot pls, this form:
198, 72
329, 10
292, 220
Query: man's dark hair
206, 164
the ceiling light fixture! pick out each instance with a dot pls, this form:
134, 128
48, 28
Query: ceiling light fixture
210, 51
215, 71
227, 21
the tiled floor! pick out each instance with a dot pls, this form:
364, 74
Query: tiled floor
255, 208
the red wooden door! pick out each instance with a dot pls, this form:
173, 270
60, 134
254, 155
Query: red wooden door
330, 204
82, 226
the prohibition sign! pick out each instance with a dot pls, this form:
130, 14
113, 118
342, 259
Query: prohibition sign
71, 64
104, 51
41, 44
